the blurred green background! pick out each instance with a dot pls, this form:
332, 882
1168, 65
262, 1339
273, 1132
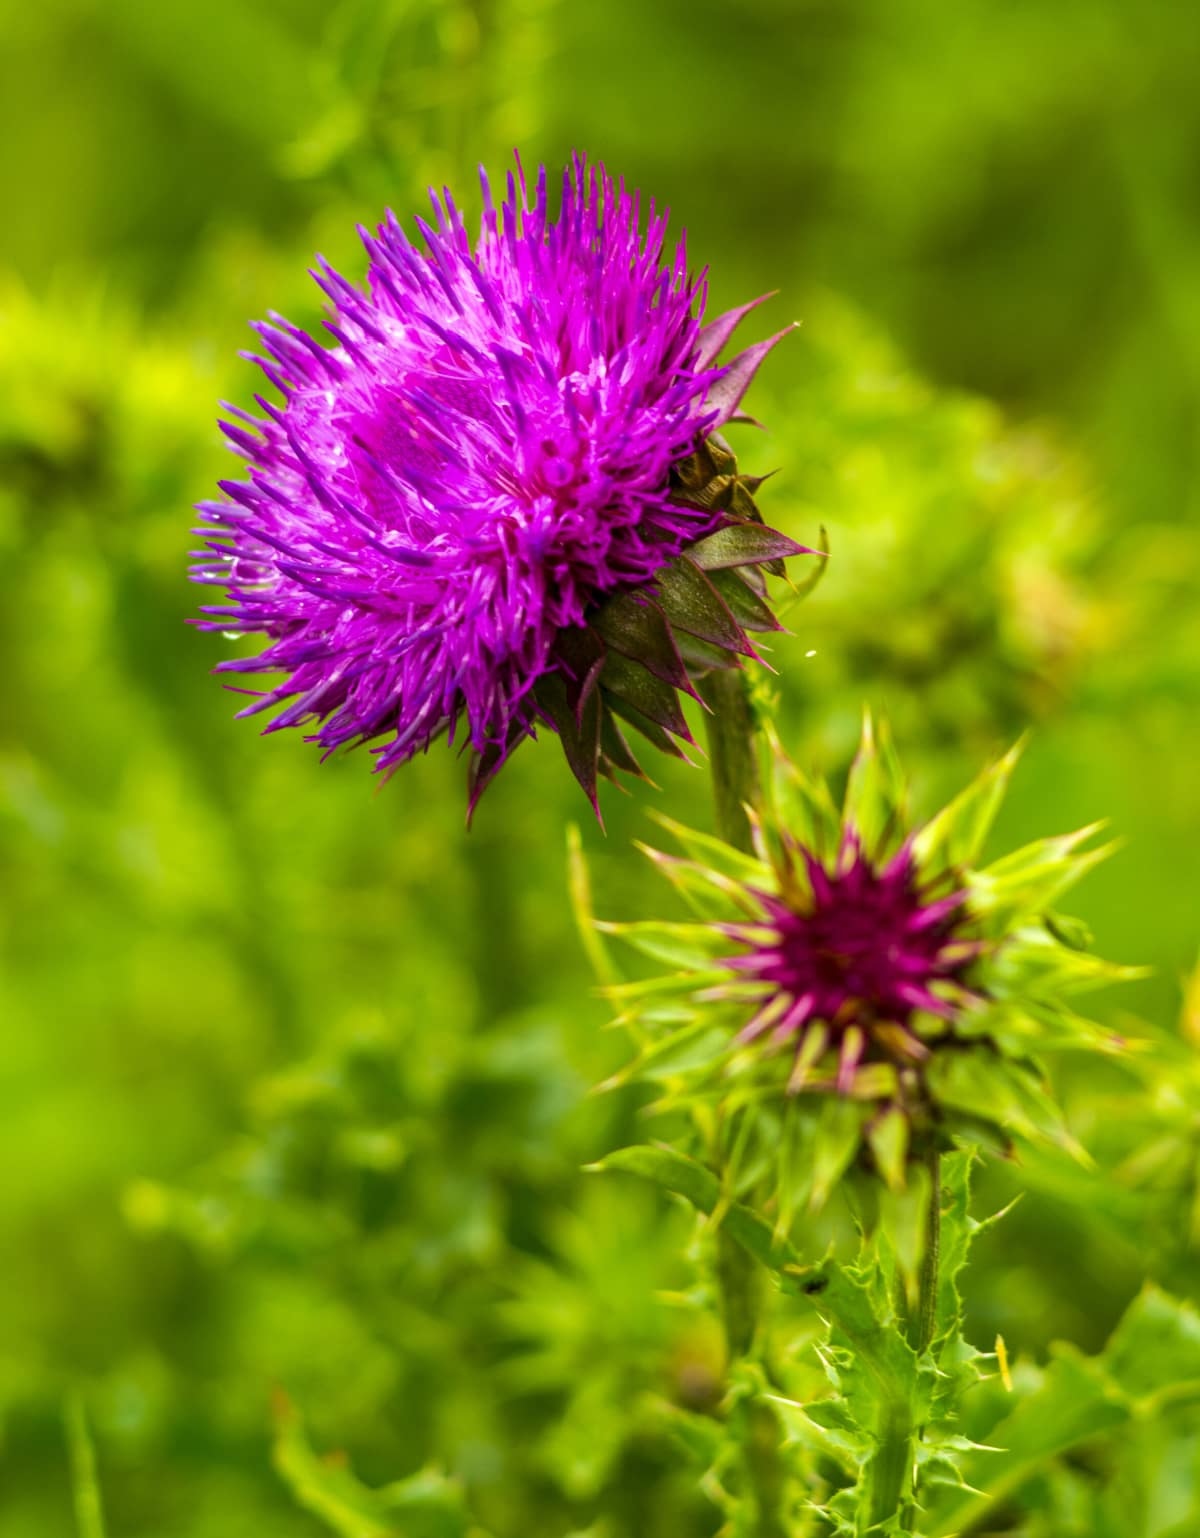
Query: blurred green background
293, 1073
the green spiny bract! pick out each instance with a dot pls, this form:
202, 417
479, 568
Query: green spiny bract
859, 991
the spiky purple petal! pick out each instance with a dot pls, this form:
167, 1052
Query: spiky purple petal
860, 950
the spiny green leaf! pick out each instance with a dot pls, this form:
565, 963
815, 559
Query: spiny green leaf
1033, 960
671, 1054
708, 892
993, 1088
1076, 1402
1025, 1026
955, 838
579, 887
651, 987
679, 945
882, 1385
802, 805
716, 854
794, 1162
1151, 1360
903, 1217
684, 1177
957, 1230
839, 1131
426, 1505
1024, 884
887, 1135
876, 791
833, 1415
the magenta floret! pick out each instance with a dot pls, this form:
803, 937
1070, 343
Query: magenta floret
854, 952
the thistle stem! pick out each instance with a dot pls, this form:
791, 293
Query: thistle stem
889, 1474
924, 1323
732, 752
890, 1481
89, 1511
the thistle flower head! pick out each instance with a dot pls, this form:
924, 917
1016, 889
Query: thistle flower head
492, 500
850, 954
869, 970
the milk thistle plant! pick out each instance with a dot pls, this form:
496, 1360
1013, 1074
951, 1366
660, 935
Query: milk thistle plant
498, 502
850, 962
856, 1005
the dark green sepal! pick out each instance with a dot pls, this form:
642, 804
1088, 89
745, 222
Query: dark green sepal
750, 611
639, 649
483, 767
580, 734
639, 630
690, 602
652, 732
626, 680
703, 478
583, 655
742, 544
755, 579
702, 656
615, 752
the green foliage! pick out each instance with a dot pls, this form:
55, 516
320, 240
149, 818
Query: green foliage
891, 1416
682, 1176
1144, 1385
937, 1439
603, 1323
425, 1505
277, 1114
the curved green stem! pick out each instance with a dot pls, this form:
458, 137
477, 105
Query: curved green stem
85, 1485
891, 1487
889, 1483
924, 1324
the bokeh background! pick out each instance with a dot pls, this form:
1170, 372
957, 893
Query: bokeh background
293, 1074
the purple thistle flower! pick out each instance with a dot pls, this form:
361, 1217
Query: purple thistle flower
907, 989
499, 497
850, 954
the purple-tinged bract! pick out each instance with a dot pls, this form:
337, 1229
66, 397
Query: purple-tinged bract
849, 954
860, 979
508, 434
